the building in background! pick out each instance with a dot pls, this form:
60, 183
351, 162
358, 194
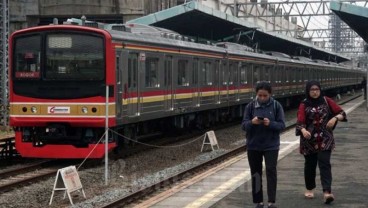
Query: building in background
30, 13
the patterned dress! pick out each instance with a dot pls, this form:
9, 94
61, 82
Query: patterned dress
314, 119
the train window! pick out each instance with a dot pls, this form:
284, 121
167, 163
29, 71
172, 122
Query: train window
74, 57
132, 70
27, 55
151, 75
287, 74
243, 74
195, 71
207, 73
224, 74
183, 79
168, 69
256, 73
267, 70
232, 72
217, 71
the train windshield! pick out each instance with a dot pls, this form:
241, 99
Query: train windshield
74, 56
67, 57
59, 65
27, 57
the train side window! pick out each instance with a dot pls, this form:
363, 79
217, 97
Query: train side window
183, 79
195, 71
256, 71
224, 74
232, 72
207, 73
249, 72
267, 70
168, 69
287, 74
243, 74
132, 70
151, 75
217, 72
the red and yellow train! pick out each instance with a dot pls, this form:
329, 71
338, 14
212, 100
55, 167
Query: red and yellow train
157, 80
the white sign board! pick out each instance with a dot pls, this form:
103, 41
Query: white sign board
71, 178
210, 139
67, 179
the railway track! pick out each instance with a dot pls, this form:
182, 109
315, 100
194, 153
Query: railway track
7, 148
25, 175
146, 192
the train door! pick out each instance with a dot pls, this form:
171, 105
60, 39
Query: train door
195, 83
168, 83
223, 81
257, 70
132, 87
217, 81
206, 82
231, 86
237, 81
278, 79
119, 86
245, 86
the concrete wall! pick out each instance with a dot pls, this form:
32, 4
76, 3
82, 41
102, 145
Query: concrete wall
18, 10
26, 13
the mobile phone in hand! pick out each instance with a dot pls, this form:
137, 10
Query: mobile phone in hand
260, 118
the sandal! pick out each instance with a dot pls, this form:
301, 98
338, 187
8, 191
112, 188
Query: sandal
309, 194
328, 198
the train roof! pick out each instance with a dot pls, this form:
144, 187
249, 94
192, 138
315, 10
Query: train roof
141, 34
223, 47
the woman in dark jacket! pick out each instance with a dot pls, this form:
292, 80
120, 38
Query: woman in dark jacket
263, 121
317, 117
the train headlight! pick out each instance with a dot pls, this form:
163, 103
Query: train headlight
33, 109
84, 110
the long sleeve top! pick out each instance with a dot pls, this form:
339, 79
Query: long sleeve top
314, 119
261, 137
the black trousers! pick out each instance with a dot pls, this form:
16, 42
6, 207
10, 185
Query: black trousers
255, 159
324, 164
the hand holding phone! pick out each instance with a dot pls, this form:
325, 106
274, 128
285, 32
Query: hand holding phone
260, 118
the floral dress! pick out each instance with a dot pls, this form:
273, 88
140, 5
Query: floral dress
314, 119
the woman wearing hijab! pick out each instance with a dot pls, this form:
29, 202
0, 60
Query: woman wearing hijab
317, 117
263, 121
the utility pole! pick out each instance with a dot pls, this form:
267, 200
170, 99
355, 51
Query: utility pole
4, 32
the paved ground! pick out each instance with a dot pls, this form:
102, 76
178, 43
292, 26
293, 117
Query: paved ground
349, 170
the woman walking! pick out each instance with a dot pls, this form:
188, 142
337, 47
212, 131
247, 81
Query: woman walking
263, 121
317, 117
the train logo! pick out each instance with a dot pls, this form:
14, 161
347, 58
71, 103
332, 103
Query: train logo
58, 110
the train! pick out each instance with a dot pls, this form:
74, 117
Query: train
66, 81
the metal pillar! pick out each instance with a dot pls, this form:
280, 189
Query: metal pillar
4, 28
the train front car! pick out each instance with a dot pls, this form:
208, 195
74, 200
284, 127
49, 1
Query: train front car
58, 76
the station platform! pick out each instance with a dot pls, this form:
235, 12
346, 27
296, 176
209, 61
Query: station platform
229, 184
349, 171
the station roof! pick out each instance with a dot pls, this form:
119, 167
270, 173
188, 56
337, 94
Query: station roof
354, 16
198, 21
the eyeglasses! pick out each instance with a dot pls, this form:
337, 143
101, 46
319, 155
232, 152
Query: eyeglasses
314, 89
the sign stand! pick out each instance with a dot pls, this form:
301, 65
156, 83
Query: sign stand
210, 138
67, 179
